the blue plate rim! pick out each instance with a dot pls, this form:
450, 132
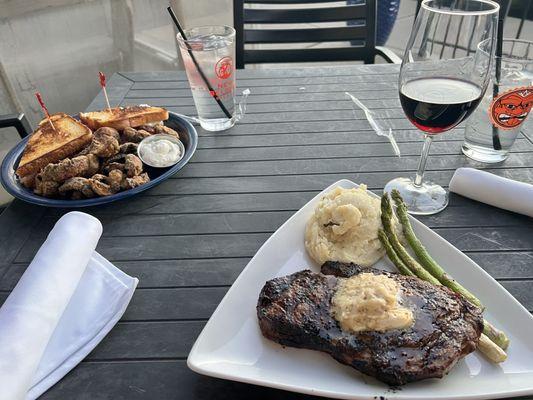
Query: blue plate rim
14, 188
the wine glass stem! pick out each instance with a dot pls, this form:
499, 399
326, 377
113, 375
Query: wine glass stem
422, 163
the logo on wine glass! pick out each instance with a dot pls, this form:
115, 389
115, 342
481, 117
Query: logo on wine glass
224, 67
511, 108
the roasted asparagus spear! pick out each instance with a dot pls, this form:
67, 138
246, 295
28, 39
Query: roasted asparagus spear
423, 256
489, 342
491, 350
392, 254
497, 336
493, 333
410, 262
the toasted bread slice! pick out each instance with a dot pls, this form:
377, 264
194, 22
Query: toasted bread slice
47, 145
124, 117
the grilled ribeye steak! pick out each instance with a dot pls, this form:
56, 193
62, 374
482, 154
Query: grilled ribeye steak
294, 310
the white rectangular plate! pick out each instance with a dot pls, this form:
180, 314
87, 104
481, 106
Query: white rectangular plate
231, 345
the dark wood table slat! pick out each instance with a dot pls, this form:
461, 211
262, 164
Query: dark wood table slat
378, 87
303, 81
364, 136
301, 182
269, 107
509, 265
148, 340
14, 231
346, 165
173, 273
274, 73
252, 109
241, 202
319, 152
190, 223
185, 99
160, 380
163, 247
167, 379
325, 137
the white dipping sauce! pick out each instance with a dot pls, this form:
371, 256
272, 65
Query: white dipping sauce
160, 153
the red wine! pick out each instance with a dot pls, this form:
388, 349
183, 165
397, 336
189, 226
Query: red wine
435, 105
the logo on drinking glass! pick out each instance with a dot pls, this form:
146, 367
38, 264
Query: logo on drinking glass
224, 68
511, 108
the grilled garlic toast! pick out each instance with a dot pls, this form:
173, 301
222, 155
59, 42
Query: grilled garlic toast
47, 145
124, 117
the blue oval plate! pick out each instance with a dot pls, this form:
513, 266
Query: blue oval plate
9, 180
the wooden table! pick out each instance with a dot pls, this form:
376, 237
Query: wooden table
188, 238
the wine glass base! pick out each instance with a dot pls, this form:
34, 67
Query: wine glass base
425, 199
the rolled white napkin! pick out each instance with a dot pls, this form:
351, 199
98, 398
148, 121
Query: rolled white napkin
494, 190
68, 299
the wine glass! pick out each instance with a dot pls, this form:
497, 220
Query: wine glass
442, 80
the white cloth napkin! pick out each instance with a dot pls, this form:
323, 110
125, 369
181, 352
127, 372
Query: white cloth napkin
494, 190
68, 299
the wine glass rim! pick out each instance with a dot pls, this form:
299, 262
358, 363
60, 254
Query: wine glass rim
495, 8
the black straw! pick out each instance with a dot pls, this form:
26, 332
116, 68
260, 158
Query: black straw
496, 144
189, 49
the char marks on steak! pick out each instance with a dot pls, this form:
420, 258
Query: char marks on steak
294, 310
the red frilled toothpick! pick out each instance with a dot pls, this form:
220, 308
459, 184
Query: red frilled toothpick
102, 83
45, 110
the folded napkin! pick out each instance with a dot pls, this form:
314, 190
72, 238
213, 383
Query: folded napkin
68, 299
494, 190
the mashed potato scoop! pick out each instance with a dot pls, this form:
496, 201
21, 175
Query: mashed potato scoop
344, 227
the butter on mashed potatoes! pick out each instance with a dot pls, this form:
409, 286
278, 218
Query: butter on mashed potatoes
344, 227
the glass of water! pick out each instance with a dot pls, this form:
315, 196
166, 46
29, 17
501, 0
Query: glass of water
208, 55
493, 127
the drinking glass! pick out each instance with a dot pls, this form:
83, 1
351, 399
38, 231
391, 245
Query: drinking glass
493, 127
208, 55
442, 80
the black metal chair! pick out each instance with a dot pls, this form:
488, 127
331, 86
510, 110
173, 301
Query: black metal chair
361, 36
17, 121
23, 127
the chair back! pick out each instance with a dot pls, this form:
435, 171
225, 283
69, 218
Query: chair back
457, 38
523, 11
357, 39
